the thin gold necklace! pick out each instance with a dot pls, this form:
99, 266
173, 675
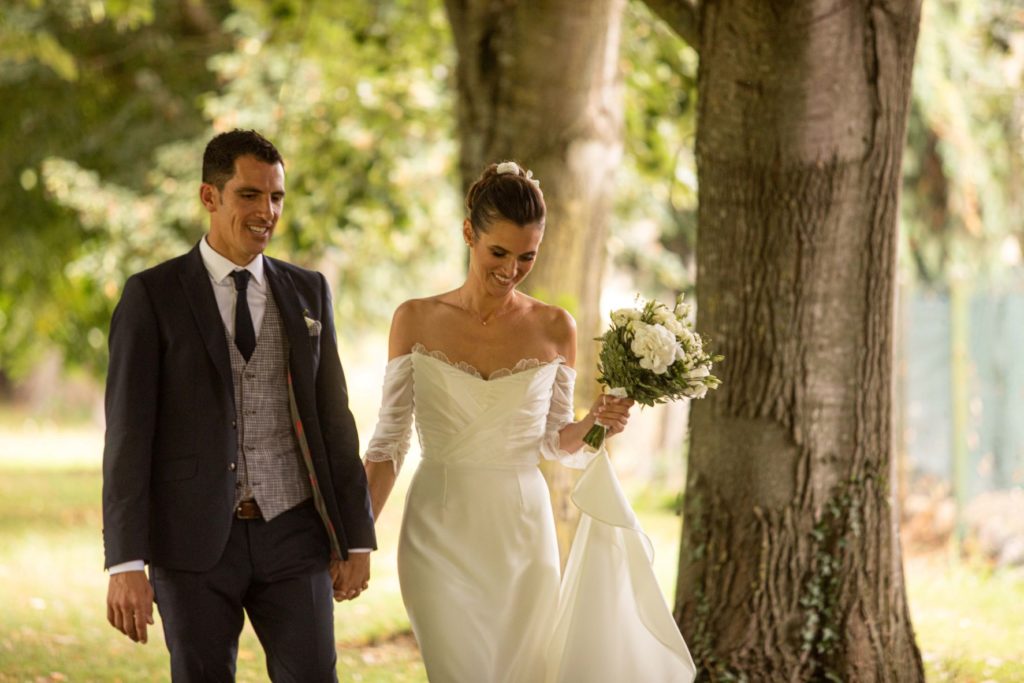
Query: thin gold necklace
484, 319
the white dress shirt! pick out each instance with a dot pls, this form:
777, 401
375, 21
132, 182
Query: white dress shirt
220, 268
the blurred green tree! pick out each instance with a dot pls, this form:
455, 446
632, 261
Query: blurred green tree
354, 94
653, 227
100, 85
962, 206
357, 96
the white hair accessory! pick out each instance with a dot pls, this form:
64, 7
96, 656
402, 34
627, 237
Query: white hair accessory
514, 168
508, 167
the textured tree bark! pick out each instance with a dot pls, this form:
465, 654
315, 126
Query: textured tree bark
790, 568
538, 82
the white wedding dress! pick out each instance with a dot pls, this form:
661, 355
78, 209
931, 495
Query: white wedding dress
477, 557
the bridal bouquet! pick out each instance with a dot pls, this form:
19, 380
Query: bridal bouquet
652, 355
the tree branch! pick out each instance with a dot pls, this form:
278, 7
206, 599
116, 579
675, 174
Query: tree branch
682, 16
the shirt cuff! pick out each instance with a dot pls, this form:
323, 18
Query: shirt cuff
130, 566
360, 550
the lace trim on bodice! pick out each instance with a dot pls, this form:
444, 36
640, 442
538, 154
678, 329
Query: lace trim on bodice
392, 436
522, 365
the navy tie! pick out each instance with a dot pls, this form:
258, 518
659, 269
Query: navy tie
245, 335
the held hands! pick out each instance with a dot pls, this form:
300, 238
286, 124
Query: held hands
612, 412
130, 604
350, 577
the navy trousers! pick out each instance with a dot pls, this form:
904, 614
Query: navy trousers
277, 572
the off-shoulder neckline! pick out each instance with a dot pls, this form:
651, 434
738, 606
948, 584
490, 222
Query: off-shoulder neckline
522, 365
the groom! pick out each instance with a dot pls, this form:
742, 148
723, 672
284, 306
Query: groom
231, 460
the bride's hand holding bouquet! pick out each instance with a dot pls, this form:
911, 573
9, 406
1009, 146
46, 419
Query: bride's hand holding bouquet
651, 354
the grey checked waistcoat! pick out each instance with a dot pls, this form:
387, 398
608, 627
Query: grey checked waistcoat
270, 467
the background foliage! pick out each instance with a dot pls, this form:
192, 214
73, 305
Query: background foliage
110, 104
101, 86
107, 106
119, 104
963, 171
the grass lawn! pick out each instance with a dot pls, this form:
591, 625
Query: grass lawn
969, 620
52, 587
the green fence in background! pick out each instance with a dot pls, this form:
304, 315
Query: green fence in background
985, 388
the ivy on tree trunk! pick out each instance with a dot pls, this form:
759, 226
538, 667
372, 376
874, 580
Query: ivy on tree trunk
790, 566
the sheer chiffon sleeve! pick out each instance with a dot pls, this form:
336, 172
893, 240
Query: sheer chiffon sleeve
559, 415
392, 436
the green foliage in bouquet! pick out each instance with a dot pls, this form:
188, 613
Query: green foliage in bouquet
652, 354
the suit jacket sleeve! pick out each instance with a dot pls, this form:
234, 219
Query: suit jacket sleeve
341, 438
131, 408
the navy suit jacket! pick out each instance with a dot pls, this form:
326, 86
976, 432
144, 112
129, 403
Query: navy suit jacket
171, 445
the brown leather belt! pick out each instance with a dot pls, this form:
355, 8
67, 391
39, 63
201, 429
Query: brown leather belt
248, 509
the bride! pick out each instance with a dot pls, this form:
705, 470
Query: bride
488, 373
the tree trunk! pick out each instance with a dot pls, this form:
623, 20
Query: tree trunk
538, 82
790, 567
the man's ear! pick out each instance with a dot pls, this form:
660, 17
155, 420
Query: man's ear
209, 196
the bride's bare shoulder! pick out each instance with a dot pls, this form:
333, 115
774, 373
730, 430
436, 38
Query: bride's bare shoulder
413, 318
415, 310
554, 319
555, 324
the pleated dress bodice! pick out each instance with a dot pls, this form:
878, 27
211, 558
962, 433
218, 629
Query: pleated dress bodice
464, 419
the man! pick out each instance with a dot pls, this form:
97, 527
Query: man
231, 459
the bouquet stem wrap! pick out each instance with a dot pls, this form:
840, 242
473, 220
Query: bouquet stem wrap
594, 438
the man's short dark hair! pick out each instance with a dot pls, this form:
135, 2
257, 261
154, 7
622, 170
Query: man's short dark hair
222, 151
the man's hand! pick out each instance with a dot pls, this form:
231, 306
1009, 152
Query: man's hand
130, 604
350, 577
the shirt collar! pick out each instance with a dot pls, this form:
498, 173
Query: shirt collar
219, 267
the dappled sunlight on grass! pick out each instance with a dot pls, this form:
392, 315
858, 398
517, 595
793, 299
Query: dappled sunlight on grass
42, 445
968, 620
52, 586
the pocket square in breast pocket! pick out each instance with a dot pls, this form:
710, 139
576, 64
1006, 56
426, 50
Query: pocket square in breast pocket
314, 326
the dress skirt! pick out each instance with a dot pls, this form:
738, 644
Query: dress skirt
479, 569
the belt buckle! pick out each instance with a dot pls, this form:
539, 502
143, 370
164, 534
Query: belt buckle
248, 509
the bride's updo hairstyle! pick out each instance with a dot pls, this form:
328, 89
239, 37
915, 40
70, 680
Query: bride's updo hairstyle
505, 191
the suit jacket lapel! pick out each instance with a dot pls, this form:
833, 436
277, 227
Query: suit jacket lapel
195, 281
286, 296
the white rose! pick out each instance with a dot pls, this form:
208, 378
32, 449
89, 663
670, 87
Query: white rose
698, 372
675, 327
697, 390
682, 309
662, 314
622, 316
655, 346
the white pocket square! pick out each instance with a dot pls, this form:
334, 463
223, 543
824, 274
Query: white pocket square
314, 326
